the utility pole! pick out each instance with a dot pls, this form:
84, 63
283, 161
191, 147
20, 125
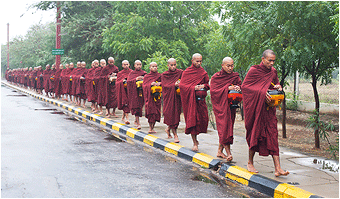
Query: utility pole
7, 46
58, 37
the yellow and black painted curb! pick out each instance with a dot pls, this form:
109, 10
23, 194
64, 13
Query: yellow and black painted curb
263, 184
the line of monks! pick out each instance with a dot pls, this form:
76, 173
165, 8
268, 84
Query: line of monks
131, 90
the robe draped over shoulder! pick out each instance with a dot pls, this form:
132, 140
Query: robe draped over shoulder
260, 123
171, 101
195, 111
224, 116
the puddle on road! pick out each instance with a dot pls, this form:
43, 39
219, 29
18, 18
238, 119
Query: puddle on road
58, 112
20, 95
204, 178
45, 109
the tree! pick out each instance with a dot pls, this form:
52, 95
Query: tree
143, 28
316, 47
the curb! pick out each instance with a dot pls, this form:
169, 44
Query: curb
235, 173
263, 184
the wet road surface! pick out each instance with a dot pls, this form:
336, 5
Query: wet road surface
45, 153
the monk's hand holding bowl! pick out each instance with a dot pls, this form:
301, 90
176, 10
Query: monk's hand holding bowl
139, 78
278, 87
199, 87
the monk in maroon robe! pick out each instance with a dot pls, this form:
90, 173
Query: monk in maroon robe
65, 81
221, 83
96, 78
152, 104
29, 75
171, 100
75, 83
80, 90
40, 80
121, 91
100, 88
260, 123
51, 80
108, 88
57, 81
34, 78
46, 78
89, 86
136, 101
194, 85
71, 89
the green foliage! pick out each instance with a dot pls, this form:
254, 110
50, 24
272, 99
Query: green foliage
323, 128
160, 59
293, 104
172, 29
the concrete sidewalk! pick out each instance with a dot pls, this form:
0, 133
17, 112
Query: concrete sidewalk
306, 179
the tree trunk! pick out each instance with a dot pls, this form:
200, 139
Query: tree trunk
284, 113
317, 107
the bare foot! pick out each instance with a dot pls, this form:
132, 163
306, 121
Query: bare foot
167, 130
139, 127
176, 140
195, 148
100, 113
281, 173
127, 122
114, 115
229, 158
251, 168
84, 106
221, 155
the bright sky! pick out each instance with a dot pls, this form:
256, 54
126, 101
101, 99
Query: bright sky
15, 13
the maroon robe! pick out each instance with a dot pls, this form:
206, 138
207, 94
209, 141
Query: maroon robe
76, 74
51, 82
135, 101
224, 116
46, 79
89, 87
72, 84
171, 101
40, 79
96, 78
121, 92
107, 96
195, 111
65, 81
80, 90
152, 107
34, 81
260, 123
57, 82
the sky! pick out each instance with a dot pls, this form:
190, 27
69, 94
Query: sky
20, 19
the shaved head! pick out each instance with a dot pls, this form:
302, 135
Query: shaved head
227, 59
267, 52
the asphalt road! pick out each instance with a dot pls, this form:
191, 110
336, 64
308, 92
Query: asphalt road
45, 153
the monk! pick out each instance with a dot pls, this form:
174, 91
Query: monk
171, 100
75, 83
260, 123
34, 78
220, 84
65, 81
152, 103
89, 86
121, 91
80, 90
29, 74
100, 87
46, 77
108, 80
39, 79
51, 81
57, 81
194, 85
136, 101
96, 77
71, 90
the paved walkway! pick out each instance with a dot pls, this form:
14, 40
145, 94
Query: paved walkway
304, 173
